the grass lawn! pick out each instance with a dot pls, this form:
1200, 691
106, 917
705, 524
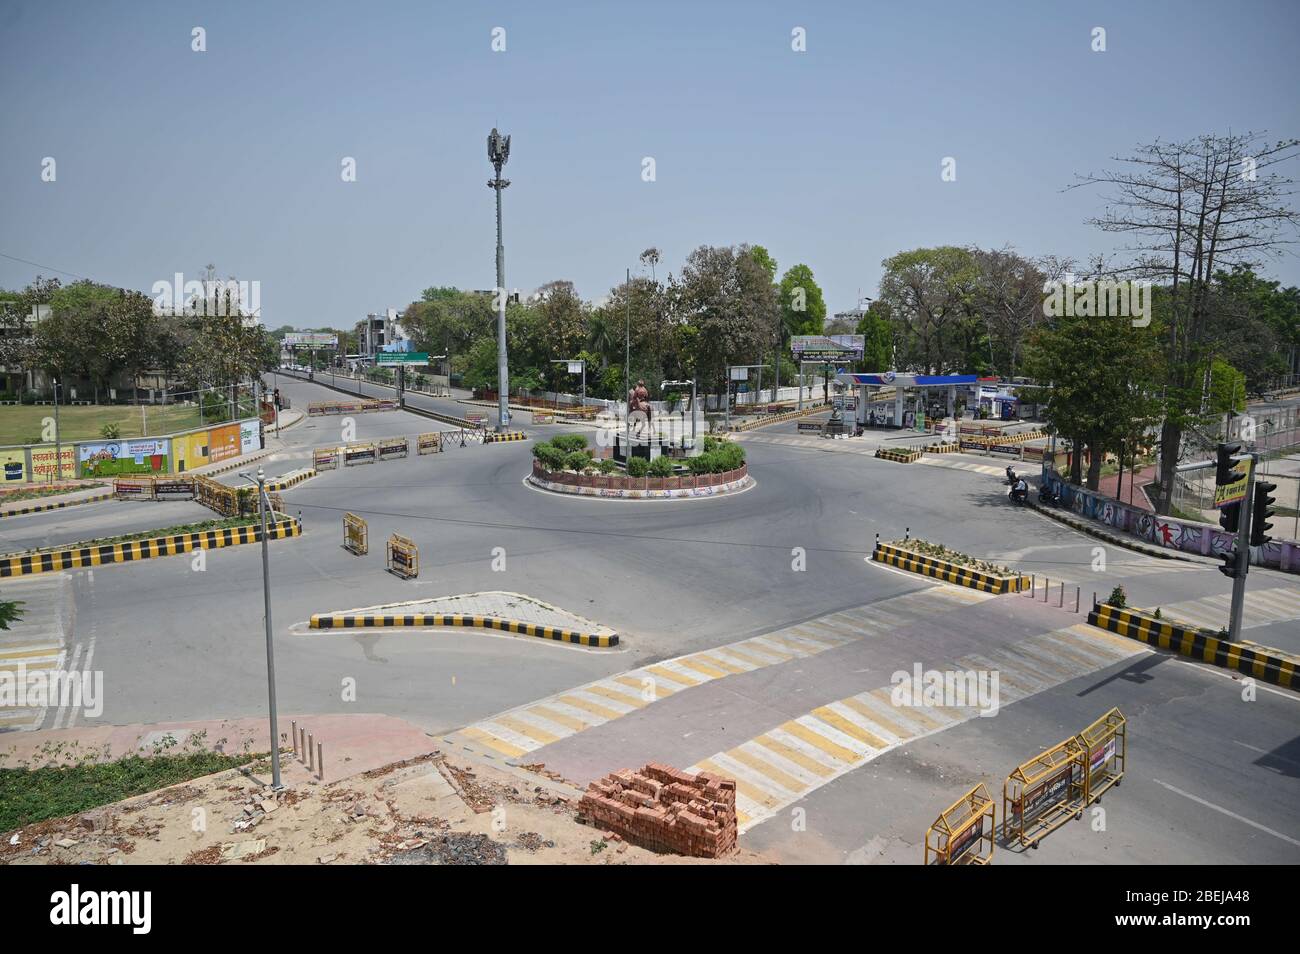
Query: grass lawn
24, 423
31, 493
68, 782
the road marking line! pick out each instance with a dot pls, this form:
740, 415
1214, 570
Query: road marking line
1231, 814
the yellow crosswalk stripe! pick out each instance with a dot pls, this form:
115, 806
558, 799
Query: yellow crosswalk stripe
784, 779
701, 667
589, 707
794, 755
563, 718
833, 749
492, 742
663, 673
632, 682
852, 730
634, 701
527, 729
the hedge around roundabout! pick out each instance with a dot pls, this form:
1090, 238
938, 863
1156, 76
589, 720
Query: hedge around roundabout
608, 485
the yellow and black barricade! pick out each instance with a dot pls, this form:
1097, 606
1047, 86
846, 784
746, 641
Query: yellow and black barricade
543, 417
403, 557
963, 833
359, 454
394, 447
1044, 793
133, 488
325, 458
356, 534
173, 486
430, 443
1104, 744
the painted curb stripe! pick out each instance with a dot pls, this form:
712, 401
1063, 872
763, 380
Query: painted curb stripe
1197, 644
501, 438
72, 558
948, 572
410, 620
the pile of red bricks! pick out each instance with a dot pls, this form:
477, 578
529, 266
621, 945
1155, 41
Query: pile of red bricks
663, 809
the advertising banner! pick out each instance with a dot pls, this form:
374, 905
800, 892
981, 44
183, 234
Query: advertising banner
43, 462
250, 437
13, 466
190, 450
109, 458
310, 339
223, 442
830, 348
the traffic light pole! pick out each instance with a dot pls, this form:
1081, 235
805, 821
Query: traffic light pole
1243, 554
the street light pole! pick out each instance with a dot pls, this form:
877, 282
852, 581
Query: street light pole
270, 650
498, 155
58, 442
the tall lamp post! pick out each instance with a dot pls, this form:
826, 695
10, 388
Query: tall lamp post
262, 501
498, 154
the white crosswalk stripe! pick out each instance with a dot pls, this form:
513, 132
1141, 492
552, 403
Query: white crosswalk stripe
36, 642
786, 763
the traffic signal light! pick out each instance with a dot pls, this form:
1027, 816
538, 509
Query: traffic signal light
1229, 568
1225, 471
1261, 510
1230, 517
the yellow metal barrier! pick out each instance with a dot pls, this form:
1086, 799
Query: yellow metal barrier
325, 458
403, 557
394, 447
356, 534
1104, 744
133, 488
430, 443
359, 454
963, 833
1044, 793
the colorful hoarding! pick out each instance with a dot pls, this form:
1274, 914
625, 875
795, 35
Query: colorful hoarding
190, 450
110, 458
43, 461
13, 466
223, 442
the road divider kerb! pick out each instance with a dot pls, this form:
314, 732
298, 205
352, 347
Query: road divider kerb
290, 479
76, 557
416, 620
58, 505
948, 572
491, 438
898, 455
1270, 665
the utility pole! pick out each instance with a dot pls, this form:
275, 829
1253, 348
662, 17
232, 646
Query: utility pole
627, 365
270, 650
58, 443
498, 154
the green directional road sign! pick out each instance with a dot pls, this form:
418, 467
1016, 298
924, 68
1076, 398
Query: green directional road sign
408, 358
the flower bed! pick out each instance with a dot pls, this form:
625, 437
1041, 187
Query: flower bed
618, 485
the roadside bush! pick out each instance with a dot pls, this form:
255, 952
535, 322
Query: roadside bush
552, 457
609, 466
577, 460
722, 458
110, 431
637, 467
661, 467
1118, 598
569, 442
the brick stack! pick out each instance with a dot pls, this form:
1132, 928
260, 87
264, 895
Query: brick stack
663, 809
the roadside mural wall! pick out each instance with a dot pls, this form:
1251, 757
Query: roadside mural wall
223, 442
110, 458
1168, 532
147, 455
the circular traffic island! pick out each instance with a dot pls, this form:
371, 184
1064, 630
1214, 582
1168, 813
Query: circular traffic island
564, 465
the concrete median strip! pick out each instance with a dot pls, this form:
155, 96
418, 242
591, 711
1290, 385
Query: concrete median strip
423, 620
502, 438
898, 455
1270, 665
58, 505
948, 572
76, 557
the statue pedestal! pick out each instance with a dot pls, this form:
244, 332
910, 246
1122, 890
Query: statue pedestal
647, 448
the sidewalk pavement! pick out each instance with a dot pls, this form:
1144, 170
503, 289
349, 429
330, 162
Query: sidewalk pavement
1094, 529
353, 742
1133, 484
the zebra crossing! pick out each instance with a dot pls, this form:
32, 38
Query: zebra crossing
37, 641
951, 461
1262, 607
526, 728
784, 764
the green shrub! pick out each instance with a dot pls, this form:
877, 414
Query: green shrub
661, 467
637, 467
569, 442
1118, 598
577, 460
608, 466
552, 457
111, 431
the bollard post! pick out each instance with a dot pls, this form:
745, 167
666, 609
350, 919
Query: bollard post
1076, 599
1061, 599
302, 757
320, 760
1033, 586
309, 741
1047, 587
294, 733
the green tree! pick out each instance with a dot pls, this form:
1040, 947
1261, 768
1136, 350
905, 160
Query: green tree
878, 338
803, 308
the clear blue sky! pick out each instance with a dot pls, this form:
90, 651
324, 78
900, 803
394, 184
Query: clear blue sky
169, 159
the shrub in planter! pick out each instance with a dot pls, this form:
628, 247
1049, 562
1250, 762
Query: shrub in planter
638, 467
608, 467
569, 442
552, 457
661, 467
1118, 598
578, 460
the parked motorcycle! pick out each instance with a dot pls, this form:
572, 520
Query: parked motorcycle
1047, 497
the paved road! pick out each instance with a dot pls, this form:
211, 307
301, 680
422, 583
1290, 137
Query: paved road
677, 579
